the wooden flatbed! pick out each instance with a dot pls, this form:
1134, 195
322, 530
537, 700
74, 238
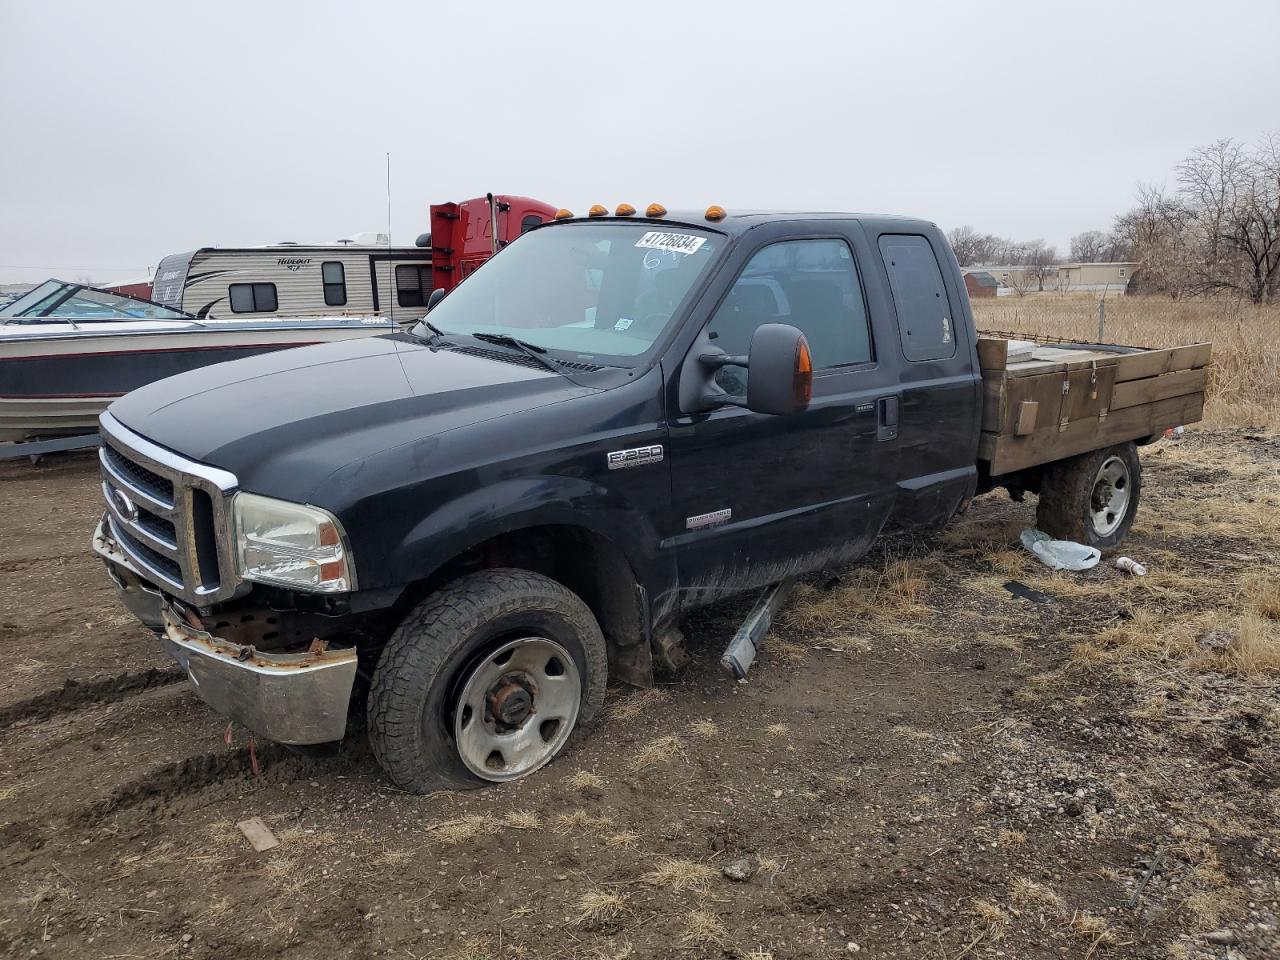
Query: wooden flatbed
1061, 399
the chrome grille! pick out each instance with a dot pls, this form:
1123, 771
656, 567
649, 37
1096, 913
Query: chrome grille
158, 512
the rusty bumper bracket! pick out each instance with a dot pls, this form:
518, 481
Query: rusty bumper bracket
294, 698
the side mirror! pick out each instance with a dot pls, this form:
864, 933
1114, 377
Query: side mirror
436, 296
781, 379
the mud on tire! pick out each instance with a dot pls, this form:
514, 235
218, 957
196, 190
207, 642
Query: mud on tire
418, 679
1076, 495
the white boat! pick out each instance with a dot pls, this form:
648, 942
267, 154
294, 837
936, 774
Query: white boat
67, 350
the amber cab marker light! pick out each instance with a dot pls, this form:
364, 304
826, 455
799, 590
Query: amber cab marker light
598, 210
802, 385
655, 210
715, 212
625, 210
563, 214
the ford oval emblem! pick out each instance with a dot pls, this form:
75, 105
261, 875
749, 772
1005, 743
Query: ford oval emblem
128, 509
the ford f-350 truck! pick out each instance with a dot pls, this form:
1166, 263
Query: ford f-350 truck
618, 419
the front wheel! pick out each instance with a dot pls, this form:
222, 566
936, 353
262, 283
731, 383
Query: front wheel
486, 681
1093, 498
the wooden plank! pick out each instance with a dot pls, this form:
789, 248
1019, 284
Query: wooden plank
993, 353
1028, 410
258, 834
1009, 453
1151, 389
993, 398
1152, 363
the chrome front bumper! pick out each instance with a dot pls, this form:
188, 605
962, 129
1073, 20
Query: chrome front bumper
296, 698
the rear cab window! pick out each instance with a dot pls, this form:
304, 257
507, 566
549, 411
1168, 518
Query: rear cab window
926, 324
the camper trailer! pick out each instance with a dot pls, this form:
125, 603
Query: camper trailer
297, 280
363, 276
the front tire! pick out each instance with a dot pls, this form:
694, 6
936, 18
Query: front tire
1093, 498
485, 681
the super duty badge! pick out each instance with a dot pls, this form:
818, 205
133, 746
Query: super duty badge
635, 457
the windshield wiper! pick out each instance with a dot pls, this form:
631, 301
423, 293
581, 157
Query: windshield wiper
528, 349
436, 332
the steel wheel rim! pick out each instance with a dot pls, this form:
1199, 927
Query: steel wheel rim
1109, 499
517, 706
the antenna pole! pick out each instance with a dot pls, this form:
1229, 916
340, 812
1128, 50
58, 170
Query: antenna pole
391, 287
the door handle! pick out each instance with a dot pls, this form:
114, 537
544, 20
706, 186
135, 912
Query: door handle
887, 418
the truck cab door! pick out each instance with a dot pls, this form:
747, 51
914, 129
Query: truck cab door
756, 497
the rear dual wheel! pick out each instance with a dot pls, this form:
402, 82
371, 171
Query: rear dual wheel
485, 681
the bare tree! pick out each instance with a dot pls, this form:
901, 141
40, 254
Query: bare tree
1092, 246
1232, 198
972, 247
1154, 234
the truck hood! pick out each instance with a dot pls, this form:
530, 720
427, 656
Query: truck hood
284, 421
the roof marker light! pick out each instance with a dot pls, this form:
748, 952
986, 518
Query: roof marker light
625, 210
563, 214
715, 212
655, 210
598, 210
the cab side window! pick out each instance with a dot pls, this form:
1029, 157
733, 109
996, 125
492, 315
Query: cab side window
810, 284
924, 313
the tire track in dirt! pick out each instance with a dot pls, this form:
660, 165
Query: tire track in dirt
75, 694
164, 784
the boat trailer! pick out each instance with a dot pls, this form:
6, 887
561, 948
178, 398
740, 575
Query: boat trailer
35, 449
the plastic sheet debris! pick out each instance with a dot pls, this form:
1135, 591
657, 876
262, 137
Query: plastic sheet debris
1060, 554
1131, 566
1020, 589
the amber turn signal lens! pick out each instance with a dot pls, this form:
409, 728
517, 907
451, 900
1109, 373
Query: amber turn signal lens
563, 214
715, 212
802, 384
598, 210
625, 210
655, 210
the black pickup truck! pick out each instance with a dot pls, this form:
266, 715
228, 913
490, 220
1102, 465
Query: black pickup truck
621, 417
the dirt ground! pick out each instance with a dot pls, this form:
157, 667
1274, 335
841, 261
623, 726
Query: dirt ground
921, 765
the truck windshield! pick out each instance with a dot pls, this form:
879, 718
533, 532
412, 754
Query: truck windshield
595, 290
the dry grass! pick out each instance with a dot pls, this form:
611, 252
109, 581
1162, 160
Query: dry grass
1026, 891
623, 838
1244, 384
889, 592
656, 752
706, 729
989, 913
677, 875
522, 820
640, 702
466, 828
702, 928
596, 907
580, 820
584, 781
1240, 643
1092, 928
778, 730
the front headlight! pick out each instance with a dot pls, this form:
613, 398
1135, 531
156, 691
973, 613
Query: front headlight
290, 545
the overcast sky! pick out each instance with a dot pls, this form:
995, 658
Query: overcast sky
133, 130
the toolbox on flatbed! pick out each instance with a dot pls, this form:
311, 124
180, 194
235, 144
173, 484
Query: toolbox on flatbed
1065, 398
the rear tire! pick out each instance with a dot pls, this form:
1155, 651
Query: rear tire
1093, 498
494, 638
